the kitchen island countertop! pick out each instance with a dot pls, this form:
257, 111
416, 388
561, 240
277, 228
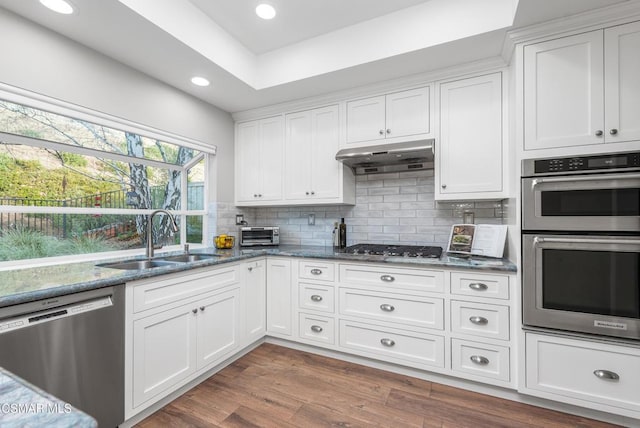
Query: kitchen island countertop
23, 285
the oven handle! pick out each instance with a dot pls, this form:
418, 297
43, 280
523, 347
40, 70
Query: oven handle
539, 240
571, 179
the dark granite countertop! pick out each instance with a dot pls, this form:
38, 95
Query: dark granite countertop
23, 285
25, 405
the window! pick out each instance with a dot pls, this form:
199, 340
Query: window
73, 186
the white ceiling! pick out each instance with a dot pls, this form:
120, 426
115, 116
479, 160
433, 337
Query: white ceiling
305, 51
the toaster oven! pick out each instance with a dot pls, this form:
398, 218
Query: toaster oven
259, 236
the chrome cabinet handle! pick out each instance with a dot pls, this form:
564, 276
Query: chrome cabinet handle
387, 308
255, 195
316, 298
316, 272
387, 278
479, 359
259, 195
316, 329
597, 178
381, 132
306, 193
250, 268
606, 375
540, 240
478, 286
195, 311
478, 320
599, 133
444, 186
313, 193
613, 131
202, 308
387, 342
388, 131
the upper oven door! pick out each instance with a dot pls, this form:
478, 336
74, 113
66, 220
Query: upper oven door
598, 202
582, 283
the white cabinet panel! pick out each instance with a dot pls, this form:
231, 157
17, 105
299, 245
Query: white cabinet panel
316, 270
316, 297
480, 285
480, 359
366, 119
478, 319
564, 92
398, 278
622, 83
279, 297
248, 154
218, 327
298, 155
317, 328
470, 151
255, 300
271, 144
326, 171
407, 113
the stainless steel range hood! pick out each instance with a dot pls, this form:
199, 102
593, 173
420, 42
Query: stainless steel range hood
411, 156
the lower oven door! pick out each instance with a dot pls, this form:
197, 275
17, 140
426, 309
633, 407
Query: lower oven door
588, 284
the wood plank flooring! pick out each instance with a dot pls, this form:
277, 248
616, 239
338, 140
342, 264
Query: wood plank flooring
279, 387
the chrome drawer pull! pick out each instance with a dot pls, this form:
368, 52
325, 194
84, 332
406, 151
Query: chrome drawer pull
202, 308
316, 329
606, 375
316, 272
387, 278
478, 286
387, 342
479, 320
316, 298
479, 359
195, 311
387, 308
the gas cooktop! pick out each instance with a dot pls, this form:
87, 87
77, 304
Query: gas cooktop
395, 250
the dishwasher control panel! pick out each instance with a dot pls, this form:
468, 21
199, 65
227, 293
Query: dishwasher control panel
51, 314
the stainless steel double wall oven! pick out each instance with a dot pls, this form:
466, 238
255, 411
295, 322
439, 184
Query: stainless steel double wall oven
581, 244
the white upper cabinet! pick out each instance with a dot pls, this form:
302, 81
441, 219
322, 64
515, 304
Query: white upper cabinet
396, 117
622, 83
583, 90
311, 172
259, 146
469, 157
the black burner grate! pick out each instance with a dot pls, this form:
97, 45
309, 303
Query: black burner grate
395, 250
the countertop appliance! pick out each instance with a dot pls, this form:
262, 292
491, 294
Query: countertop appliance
395, 250
581, 244
252, 236
72, 347
409, 156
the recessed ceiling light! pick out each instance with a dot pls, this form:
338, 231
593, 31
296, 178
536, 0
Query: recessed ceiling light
60, 6
200, 81
265, 11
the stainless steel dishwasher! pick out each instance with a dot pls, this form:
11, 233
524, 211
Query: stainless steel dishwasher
72, 347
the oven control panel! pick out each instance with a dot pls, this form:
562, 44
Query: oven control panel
583, 163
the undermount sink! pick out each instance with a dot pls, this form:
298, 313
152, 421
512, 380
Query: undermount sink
137, 264
186, 258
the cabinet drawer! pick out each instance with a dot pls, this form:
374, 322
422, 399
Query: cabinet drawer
382, 276
568, 367
154, 292
480, 285
316, 270
412, 349
412, 310
317, 328
316, 297
480, 359
480, 320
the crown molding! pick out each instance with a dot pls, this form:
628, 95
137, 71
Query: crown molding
407, 82
591, 20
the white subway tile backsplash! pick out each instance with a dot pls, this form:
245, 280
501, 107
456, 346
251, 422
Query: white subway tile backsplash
390, 208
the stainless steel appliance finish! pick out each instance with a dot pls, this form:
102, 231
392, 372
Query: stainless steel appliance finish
410, 156
592, 193
72, 347
582, 283
395, 250
259, 236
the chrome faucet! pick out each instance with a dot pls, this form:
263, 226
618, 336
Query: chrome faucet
150, 246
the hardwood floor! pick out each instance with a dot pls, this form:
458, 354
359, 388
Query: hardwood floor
279, 387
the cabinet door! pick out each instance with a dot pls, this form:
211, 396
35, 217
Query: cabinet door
218, 327
563, 92
622, 83
326, 171
366, 119
298, 155
271, 146
164, 351
248, 156
407, 113
470, 149
279, 301
255, 300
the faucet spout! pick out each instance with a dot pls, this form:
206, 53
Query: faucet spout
174, 227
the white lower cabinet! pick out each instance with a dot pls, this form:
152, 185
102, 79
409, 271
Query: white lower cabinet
316, 328
279, 298
480, 359
254, 300
591, 374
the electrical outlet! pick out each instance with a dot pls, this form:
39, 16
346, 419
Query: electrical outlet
311, 220
240, 220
